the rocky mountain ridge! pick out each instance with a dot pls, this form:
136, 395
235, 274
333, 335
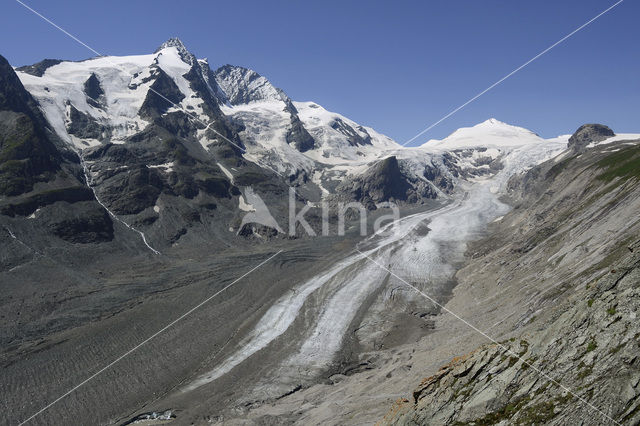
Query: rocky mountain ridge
169, 145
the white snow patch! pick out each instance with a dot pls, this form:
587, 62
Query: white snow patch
316, 178
33, 215
170, 61
226, 172
560, 138
332, 145
166, 167
63, 83
616, 138
266, 126
125, 89
244, 205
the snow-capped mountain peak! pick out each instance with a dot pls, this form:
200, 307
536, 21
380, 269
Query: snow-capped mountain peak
492, 122
489, 133
172, 42
133, 91
182, 50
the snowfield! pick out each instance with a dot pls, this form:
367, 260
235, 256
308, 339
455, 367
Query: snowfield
63, 84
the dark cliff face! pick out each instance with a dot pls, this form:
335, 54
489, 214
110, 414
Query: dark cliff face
27, 152
384, 181
131, 177
37, 174
589, 133
352, 136
93, 89
298, 136
248, 86
13, 96
162, 95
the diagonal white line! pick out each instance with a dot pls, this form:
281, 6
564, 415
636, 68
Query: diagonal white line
512, 73
60, 28
484, 334
138, 346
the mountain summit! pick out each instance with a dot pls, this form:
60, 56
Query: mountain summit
172, 42
489, 133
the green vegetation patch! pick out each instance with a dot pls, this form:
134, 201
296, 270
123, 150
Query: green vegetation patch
559, 167
624, 164
524, 347
519, 412
616, 349
585, 372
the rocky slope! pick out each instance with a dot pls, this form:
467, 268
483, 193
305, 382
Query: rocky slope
152, 141
171, 148
587, 134
557, 283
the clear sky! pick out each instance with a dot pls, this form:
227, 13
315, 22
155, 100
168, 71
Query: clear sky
397, 66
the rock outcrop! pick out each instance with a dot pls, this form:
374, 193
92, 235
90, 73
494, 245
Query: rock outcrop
589, 133
384, 181
38, 69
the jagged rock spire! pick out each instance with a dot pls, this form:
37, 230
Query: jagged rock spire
184, 53
172, 42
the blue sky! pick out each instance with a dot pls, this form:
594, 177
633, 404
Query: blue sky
396, 66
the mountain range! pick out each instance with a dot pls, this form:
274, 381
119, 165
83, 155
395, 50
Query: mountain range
133, 187
161, 137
